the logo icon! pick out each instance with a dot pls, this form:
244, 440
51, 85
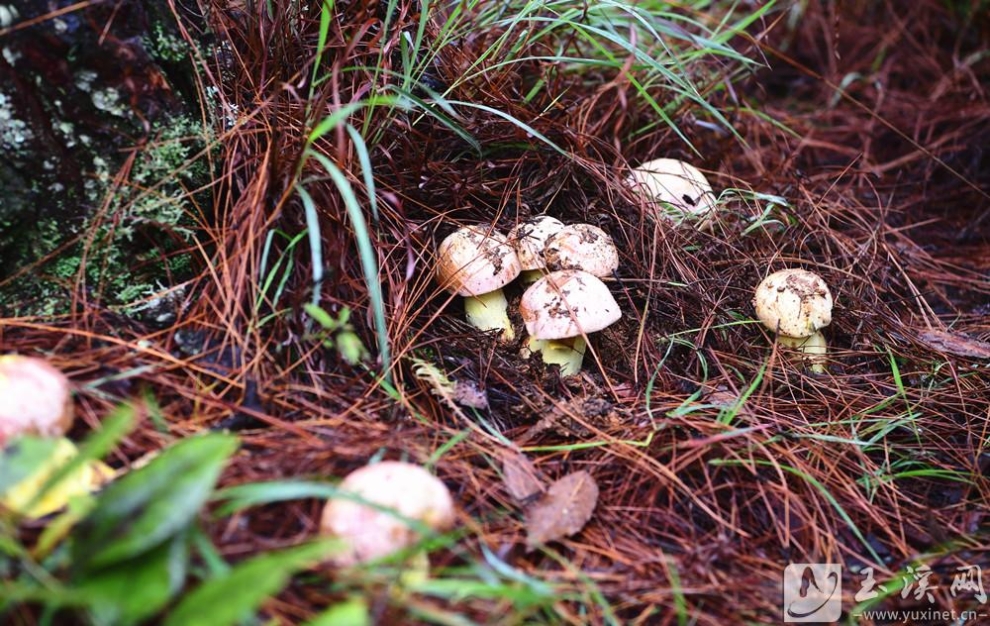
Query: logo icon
812, 592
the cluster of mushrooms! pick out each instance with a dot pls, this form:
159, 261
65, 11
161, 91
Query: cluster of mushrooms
385, 507
562, 265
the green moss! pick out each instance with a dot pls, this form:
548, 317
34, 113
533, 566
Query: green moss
166, 47
132, 244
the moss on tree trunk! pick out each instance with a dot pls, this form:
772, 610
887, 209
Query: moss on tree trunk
99, 123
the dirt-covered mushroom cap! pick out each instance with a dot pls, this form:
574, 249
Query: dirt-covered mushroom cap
566, 303
582, 247
35, 398
676, 183
406, 490
475, 260
794, 302
529, 238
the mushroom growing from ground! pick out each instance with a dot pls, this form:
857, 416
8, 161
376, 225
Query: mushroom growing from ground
476, 262
390, 498
796, 304
562, 307
678, 189
34, 398
529, 238
582, 247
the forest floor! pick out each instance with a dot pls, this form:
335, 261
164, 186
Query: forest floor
859, 149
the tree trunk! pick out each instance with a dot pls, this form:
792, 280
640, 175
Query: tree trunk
80, 88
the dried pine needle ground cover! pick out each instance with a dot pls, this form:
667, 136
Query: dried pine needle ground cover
850, 141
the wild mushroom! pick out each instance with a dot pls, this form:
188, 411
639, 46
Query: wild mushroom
382, 504
34, 398
582, 247
678, 189
529, 238
796, 304
476, 262
560, 309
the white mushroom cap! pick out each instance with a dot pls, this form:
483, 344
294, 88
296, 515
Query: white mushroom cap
368, 533
34, 398
582, 247
566, 303
676, 183
475, 260
529, 238
794, 302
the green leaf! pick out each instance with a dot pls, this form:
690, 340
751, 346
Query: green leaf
352, 612
240, 497
97, 445
351, 348
130, 591
332, 121
366, 252
146, 507
229, 599
22, 458
322, 317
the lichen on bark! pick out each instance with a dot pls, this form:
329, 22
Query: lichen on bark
100, 128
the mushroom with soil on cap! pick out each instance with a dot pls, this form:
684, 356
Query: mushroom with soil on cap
529, 238
35, 398
560, 309
476, 262
678, 189
582, 247
796, 304
379, 508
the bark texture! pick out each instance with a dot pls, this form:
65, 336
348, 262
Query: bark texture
83, 93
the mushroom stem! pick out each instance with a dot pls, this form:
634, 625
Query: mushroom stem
567, 353
489, 311
528, 277
814, 348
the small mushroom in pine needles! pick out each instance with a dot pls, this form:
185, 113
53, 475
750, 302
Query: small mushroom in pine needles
529, 238
476, 262
34, 398
384, 504
678, 190
796, 304
562, 307
582, 247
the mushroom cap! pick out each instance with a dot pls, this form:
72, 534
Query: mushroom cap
368, 533
529, 238
566, 303
34, 398
676, 183
474, 260
582, 247
794, 303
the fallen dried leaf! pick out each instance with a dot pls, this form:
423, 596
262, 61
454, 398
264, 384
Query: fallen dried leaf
563, 510
959, 345
466, 393
521, 477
